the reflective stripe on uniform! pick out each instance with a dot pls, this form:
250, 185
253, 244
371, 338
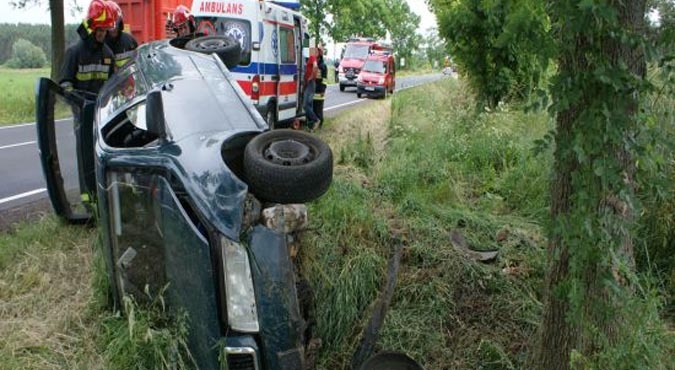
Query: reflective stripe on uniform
122, 58
90, 72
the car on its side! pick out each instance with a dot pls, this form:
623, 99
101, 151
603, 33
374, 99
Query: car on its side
196, 199
378, 76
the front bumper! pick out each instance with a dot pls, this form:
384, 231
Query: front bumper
370, 90
348, 79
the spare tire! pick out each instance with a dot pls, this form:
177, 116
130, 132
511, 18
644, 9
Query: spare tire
226, 47
288, 166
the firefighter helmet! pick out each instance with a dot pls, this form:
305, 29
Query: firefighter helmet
99, 15
181, 15
117, 11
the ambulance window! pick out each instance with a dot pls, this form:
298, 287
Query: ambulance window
287, 45
240, 30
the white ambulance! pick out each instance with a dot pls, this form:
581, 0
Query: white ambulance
271, 34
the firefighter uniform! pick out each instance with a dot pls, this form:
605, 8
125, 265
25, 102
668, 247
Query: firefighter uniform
88, 64
123, 46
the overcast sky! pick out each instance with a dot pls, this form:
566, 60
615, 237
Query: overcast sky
40, 14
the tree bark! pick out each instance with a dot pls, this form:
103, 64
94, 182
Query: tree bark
563, 329
58, 36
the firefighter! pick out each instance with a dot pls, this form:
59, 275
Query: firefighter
320, 86
89, 63
122, 44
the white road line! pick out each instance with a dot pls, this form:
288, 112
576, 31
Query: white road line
29, 124
345, 104
22, 195
18, 144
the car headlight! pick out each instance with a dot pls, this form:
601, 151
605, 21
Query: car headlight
380, 81
242, 314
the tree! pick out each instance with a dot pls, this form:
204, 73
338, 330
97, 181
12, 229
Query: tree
58, 32
502, 46
595, 100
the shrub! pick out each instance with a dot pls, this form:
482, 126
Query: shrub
26, 55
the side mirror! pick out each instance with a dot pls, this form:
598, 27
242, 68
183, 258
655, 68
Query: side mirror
154, 115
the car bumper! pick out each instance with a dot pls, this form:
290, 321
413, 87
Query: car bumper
374, 90
348, 80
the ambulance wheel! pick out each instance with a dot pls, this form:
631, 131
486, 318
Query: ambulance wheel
271, 117
288, 166
226, 47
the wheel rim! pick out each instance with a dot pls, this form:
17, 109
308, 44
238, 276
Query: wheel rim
288, 153
211, 44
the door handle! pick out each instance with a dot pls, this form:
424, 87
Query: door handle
275, 77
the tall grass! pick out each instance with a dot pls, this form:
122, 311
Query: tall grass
17, 101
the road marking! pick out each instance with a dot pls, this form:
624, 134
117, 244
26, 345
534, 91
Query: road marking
18, 144
22, 195
29, 124
345, 104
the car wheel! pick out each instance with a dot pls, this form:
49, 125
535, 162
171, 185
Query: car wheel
342, 87
288, 166
226, 47
271, 116
358, 95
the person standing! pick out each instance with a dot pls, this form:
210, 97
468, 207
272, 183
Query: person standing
309, 87
320, 88
122, 44
336, 66
89, 63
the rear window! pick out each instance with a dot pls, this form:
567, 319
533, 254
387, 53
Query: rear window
239, 29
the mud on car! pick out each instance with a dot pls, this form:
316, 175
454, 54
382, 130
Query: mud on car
196, 199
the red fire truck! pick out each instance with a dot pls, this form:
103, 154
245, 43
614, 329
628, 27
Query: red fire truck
354, 55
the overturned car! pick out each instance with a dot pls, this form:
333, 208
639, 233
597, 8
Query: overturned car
197, 200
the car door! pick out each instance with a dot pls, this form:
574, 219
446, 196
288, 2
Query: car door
64, 124
287, 62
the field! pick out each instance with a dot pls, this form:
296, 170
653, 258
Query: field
17, 102
421, 170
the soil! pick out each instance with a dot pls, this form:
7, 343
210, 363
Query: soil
29, 212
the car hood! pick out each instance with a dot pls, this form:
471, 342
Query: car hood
366, 76
351, 63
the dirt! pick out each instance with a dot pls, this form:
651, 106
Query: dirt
30, 212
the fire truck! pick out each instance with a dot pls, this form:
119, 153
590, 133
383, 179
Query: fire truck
272, 35
354, 55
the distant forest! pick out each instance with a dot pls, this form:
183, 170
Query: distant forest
38, 34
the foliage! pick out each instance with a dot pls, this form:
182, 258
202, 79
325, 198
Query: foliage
431, 168
26, 55
17, 103
37, 34
501, 46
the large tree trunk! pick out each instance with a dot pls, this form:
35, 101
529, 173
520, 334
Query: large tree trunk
585, 143
58, 36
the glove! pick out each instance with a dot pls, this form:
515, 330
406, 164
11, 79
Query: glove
67, 86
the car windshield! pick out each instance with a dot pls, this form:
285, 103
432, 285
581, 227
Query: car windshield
356, 51
375, 66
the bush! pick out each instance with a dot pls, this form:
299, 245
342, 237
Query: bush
26, 55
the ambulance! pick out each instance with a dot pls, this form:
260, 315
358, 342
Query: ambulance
272, 35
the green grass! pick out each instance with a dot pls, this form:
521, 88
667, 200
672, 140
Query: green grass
412, 168
17, 102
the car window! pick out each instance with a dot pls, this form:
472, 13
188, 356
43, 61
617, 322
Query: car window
356, 51
128, 87
286, 45
375, 66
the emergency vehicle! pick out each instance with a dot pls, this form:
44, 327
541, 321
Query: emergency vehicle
354, 55
378, 75
271, 34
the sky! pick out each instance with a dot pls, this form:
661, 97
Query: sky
40, 14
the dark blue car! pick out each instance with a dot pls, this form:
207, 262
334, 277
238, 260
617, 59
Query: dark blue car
196, 199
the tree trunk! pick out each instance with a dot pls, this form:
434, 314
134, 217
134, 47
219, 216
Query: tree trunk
580, 264
58, 37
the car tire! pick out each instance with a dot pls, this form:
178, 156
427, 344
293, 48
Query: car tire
287, 166
358, 95
226, 47
342, 87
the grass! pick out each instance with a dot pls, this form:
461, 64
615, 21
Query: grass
17, 103
410, 169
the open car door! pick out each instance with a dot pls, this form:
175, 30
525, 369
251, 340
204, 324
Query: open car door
66, 148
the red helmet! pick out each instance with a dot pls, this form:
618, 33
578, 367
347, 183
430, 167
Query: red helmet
117, 11
99, 15
181, 15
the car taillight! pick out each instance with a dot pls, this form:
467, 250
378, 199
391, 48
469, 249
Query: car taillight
255, 88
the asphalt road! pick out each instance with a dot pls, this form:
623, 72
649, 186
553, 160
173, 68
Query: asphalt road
22, 183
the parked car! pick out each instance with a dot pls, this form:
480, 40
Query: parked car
377, 77
196, 199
